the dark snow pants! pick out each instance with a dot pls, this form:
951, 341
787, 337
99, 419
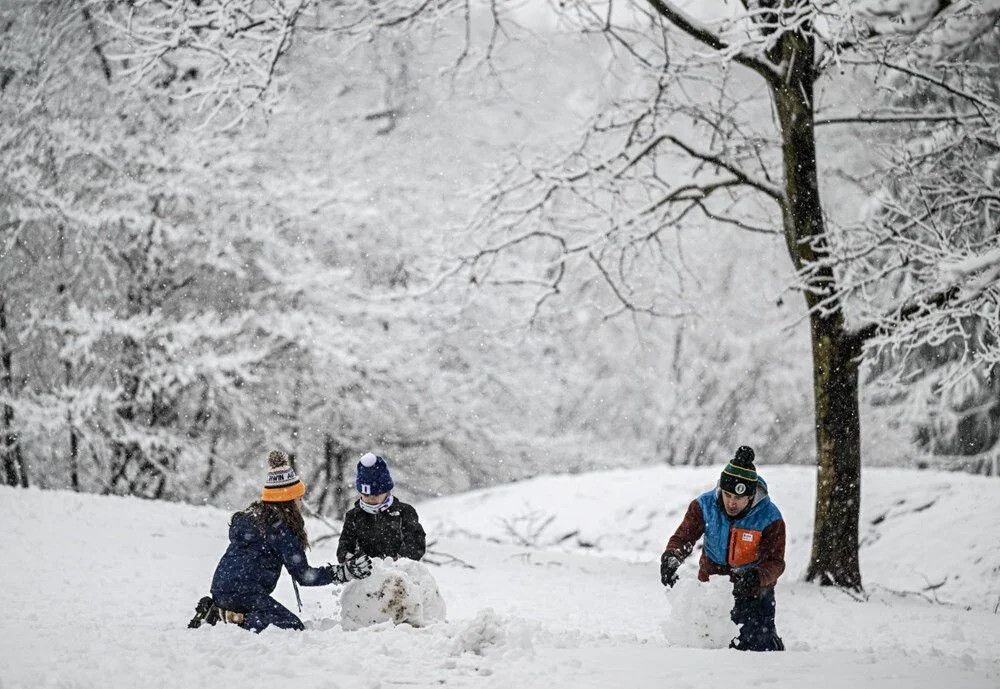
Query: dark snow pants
261, 611
755, 616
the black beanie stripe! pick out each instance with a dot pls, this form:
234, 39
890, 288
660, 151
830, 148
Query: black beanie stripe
740, 475
740, 472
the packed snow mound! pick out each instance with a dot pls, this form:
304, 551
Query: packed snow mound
401, 591
487, 632
698, 614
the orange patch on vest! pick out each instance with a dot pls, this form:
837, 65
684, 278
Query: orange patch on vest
744, 547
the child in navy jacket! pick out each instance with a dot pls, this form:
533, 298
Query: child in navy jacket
263, 538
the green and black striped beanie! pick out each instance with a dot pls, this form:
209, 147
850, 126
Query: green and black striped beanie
740, 475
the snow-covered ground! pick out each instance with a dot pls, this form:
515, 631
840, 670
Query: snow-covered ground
548, 583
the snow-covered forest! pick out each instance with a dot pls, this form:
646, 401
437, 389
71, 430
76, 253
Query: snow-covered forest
555, 261
487, 243
494, 241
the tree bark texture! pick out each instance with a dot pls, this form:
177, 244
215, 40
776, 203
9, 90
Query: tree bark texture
336, 458
13, 462
834, 558
836, 352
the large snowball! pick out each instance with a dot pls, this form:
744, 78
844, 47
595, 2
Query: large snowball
400, 591
698, 614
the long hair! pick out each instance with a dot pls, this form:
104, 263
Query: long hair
267, 514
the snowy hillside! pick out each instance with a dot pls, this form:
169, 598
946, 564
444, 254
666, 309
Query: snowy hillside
548, 583
922, 532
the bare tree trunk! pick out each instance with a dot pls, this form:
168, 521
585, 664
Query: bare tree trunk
74, 442
336, 458
836, 351
126, 453
296, 418
10, 448
326, 472
834, 559
341, 496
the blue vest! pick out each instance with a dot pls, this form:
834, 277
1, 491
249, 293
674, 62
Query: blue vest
719, 527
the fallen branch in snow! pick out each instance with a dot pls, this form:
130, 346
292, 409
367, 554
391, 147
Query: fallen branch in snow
860, 597
448, 559
932, 599
526, 529
934, 587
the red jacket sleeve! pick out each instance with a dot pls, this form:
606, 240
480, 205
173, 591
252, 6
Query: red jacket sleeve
688, 533
772, 554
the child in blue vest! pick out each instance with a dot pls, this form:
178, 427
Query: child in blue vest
744, 538
268, 535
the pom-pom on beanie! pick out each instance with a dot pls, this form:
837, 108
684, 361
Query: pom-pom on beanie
373, 475
740, 475
282, 483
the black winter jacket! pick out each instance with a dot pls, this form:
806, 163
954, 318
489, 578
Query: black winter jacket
393, 533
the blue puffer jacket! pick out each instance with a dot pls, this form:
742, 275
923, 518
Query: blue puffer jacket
252, 563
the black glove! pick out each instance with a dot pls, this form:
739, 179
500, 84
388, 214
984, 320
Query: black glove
746, 583
355, 567
358, 566
669, 562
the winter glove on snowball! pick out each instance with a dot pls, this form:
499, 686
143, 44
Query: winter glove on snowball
745, 583
669, 562
358, 566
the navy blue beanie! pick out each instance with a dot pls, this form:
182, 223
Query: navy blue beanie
373, 476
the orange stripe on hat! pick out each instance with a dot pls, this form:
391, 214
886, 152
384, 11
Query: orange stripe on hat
282, 483
284, 493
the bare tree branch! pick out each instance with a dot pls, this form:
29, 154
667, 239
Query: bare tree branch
771, 190
913, 118
702, 33
742, 224
908, 312
930, 79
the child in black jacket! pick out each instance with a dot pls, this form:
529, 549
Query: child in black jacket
379, 525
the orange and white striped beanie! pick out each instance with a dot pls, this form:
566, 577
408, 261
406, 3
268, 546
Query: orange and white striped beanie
282, 483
